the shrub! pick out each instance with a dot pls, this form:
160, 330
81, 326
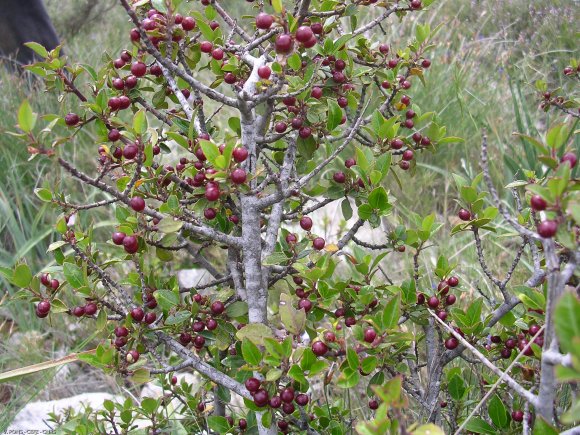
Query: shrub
214, 136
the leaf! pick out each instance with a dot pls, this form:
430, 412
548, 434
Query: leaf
277, 5
567, 320
478, 425
218, 423
44, 194
22, 275
556, 136
237, 309
141, 376
498, 412
177, 318
250, 352
346, 209
456, 387
295, 62
297, 374
37, 48
140, 122
392, 313
210, 150
275, 258
273, 375
365, 211
166, 298
255, 332
369, 364
26, 118
348, 378
352, 358
378, 198
334, 115
149, 405
169, 225
542, 427
428, 429
55, 245
293, 320
74, 275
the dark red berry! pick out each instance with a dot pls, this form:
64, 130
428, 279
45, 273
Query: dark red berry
433, 302
264, 21
137, 314
319, 348
451, 343
538, 203
138, 69
217, 308
464, 215
71, 119
547, 228
137, 203
370, 335
318, 243
261, 398
253, 385
90, 309
131, 244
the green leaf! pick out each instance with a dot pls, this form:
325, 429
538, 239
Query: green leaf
26, 118
274, 258
478, 425
74, 275
293, 320
273, 375
166, 298
456, 388
428, 429
365, 211
567, 321
149, 405
346, 209
277, 5
140, 122
392, 313
295, 62
334, 115
498, 412
369, 364
169, 225
422, 32
542, 427
250, 352
255, 332
237, 309
37, 48
378, 198
352, 358
297, 374
210, 150
44, 194
348, 378
177, 318
140, 376
557, 135
22, 275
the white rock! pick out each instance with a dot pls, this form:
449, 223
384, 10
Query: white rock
189, 278
34, 414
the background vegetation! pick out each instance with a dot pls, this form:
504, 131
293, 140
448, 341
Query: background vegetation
483, 72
